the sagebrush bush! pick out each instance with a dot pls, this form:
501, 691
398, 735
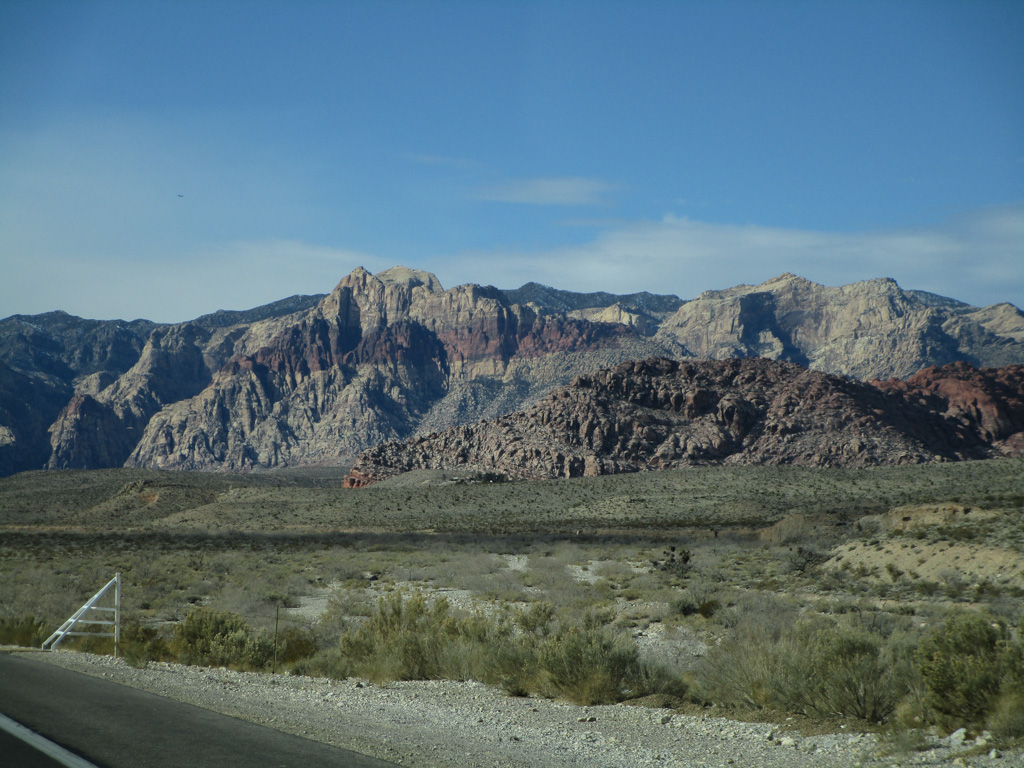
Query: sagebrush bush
1006, 720
819, 668
962, 665
220, 639
751, 668
851, 673
327, 662
512, 664
295, 644
587, 665
141, 645
708, 608
25, 631
410, 639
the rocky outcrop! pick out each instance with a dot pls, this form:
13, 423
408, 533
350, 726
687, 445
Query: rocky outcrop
989, 402
102, 429
375, 359
318, 379
661, 413
44, 359
872, 329
27, 406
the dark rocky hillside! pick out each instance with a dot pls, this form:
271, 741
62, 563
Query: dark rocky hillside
662, 414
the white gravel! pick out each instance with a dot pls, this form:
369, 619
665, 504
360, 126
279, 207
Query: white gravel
465, 724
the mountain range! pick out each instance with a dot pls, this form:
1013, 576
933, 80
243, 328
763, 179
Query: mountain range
318, 380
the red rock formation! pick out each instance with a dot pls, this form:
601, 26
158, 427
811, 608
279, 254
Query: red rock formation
660, 413
989, 401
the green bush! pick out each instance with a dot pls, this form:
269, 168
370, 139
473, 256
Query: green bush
536, 619
850, 674
327, 662
708, 608
512, 664
410, 639
295, 644
141, 645
684, 606
220, 639
822, 668
25, 631
753, 668
1006, 720
589, 666
401, 641
962, 665
675, 561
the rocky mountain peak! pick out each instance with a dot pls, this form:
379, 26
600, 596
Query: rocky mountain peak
410, 278
317, 379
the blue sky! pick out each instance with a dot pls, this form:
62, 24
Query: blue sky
167, 159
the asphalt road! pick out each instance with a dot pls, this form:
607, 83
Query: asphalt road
115, 726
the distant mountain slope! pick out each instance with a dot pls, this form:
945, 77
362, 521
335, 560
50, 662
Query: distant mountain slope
567, 301
660, 413
872, 329
225, 317
313, 380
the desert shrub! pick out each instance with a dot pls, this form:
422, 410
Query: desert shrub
141, 645
684, 606
1006, 719
708, 608
25, 631
820, 668
536, 619
411, 639
656, 679
962, 665
674, 561
512, 664
401, 641
220, 639
803, 559
700, 596
852, 673
327, 662
750, 668
587, 665
294, 644
906, 724
953, 584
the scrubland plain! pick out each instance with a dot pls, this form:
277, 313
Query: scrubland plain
891, 597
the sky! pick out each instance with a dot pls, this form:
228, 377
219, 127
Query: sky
168, 159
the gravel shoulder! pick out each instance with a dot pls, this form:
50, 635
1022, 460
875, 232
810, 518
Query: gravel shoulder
465, 724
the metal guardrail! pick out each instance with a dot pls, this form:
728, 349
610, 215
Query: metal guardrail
68, 628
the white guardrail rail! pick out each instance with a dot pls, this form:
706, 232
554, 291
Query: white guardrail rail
82, 617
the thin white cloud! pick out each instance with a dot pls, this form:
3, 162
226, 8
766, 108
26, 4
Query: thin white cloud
566, 190
977, 258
